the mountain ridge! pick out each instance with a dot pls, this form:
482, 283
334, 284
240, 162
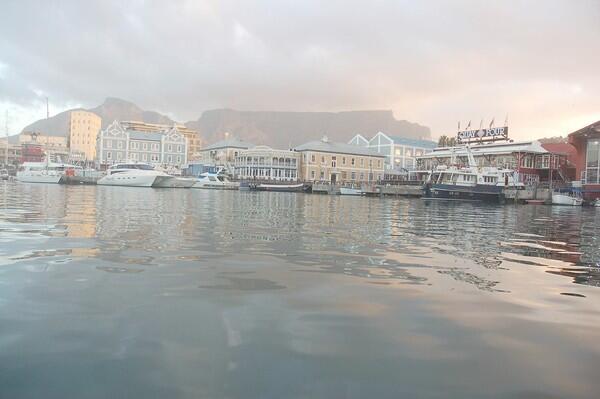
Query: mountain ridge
279, 129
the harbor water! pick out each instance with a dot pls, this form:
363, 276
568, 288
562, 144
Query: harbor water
114, 292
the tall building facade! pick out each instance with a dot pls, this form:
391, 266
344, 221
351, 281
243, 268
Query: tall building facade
194, 142
120, 143
83, 132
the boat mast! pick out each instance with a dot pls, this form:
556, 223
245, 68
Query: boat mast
6, 148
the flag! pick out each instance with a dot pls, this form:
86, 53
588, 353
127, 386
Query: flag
492, 123
469, 125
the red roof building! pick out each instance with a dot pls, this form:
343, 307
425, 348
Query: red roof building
586, 142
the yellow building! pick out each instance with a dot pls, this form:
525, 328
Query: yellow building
83, 132
194, 142
326, 161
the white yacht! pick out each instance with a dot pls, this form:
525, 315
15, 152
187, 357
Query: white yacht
43, 172
215, 181
177, 182
566, 198
134, 175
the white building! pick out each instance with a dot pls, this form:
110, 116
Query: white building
266, 163
223, 153
118, 144
400, 153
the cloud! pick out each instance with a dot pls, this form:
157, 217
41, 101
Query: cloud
432, 62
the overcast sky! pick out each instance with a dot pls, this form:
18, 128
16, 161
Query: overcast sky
431, 62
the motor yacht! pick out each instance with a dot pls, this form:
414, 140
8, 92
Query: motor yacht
134, 175
43, 172
566, 198
215, 181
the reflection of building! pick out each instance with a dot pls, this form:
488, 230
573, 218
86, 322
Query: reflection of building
118, 143
223, 153
323, 160
587, 143
83, 132
400, 152
530, 158
194, 142
265, 163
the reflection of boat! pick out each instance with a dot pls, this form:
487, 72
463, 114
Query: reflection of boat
296, 187
134, 175
215, 181
43, 172
535, 202
566, 198
176, 182
350, 191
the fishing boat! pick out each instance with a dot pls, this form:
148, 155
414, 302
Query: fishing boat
569, 198
43, 172
470, 183
350, 191
134, 174
215, 181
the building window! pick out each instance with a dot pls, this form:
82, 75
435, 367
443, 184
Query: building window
322, 175
312, 174
145, 146
109, 155
362, 163
144, 158
592, 160
312, 158
170, 148
322, 159
353, 175
343, 160
108, 143
352, 163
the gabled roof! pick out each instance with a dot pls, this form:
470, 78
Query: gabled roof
228, 143
594, 129
325, 145
413, 142
137, 135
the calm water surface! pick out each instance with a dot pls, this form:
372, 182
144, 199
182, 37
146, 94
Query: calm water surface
148, 293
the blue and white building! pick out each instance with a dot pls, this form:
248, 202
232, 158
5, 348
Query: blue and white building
119, 144
400, 153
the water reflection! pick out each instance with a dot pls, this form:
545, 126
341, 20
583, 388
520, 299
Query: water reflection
187, 293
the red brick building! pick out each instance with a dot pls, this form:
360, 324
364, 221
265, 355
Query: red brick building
587, 162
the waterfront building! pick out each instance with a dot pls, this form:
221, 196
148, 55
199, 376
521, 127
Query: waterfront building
533, 162
587, 145
121, 143
51, 145
10, 153
83, 133
194, 142
400, 152
223, 153
267, 164
326, 161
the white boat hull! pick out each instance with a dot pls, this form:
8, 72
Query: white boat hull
564, 199
39, 177
350, 191
216, 186
130, 180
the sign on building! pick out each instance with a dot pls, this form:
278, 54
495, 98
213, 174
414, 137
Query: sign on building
480, 135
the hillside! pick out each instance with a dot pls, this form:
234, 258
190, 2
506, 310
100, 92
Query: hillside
277, 129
